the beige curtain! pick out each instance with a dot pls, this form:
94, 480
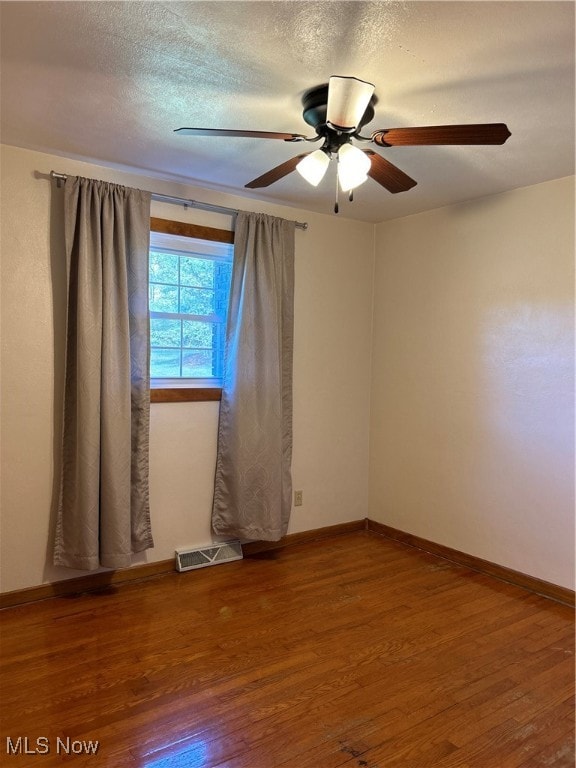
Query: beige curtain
253, 486
103, 513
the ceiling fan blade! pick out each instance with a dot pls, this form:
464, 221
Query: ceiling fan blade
483, 133
348, 99
388, 175
245, 134
276, 173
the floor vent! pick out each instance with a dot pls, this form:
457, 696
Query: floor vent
187, 559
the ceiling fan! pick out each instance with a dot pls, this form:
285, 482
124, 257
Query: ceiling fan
338, 111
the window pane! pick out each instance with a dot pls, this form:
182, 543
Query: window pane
197, 362
197, 334
164, 333
190, 291
163, 268
196, 272
164, 363
163, 298
196, 301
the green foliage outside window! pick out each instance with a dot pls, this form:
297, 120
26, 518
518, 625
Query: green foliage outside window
188, 303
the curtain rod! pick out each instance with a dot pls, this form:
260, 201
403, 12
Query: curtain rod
183, 201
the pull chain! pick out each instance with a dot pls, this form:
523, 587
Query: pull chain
336, 202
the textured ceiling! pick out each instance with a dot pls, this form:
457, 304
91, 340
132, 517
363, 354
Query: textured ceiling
109, 81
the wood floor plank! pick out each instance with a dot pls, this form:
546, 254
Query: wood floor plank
558, 754
346, 652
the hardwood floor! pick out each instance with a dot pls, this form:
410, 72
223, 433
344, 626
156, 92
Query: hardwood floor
355, 651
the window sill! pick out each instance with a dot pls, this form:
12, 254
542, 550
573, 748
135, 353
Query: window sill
185, 394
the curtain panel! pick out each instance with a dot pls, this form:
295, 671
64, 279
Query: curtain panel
253, 485
103, 511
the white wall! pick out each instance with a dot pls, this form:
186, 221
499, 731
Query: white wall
334, 270
472, 396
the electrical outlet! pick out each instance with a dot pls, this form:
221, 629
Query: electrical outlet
298, 498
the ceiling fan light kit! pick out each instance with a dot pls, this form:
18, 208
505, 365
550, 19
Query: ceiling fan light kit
353, 167
348, 99
338, 111
313, 167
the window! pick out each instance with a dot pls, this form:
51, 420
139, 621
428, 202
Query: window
188, 302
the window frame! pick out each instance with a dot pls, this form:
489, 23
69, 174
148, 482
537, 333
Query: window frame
176, 392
